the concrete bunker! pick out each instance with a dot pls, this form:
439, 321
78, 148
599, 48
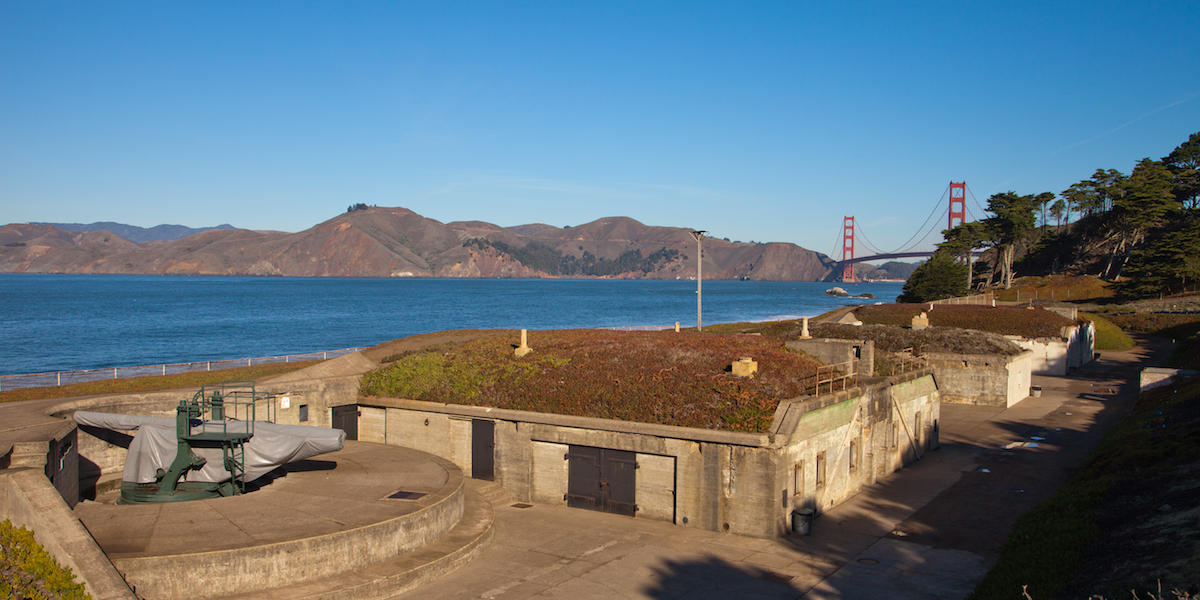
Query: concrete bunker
818, 451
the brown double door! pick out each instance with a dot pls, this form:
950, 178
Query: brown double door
602, 479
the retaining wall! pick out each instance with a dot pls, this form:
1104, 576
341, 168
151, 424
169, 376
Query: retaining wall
982, 379
30, 500
1058, 356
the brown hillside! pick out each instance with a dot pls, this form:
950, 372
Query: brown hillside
396, 242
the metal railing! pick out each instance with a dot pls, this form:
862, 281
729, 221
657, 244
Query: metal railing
59, 378
905, 361
834, 377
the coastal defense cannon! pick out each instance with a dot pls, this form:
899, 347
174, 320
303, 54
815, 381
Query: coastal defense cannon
219, 445
221, 418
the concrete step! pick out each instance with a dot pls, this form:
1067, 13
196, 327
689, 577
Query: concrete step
491, 491
402, 573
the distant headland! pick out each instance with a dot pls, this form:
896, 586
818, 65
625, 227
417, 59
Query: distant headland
370, 241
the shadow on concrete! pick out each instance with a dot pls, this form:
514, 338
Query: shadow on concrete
115, 438
300, 466
714, 578
309, 464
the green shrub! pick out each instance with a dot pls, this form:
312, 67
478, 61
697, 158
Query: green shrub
28, 571
1108, 335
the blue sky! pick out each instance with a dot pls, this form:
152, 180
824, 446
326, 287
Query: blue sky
756, 121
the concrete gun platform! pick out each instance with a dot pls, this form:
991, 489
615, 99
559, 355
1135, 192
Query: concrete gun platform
325, 517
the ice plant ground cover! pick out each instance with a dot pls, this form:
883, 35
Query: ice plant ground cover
659, 377
1005, 320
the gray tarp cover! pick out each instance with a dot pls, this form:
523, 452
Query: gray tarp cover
153, 446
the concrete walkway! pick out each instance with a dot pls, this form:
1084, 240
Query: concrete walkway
929, 531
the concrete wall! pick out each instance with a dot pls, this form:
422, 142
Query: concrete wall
982, 379
1152, 377
831, 351
720, 481
1058, 356
258, 568
30, 500
889, 425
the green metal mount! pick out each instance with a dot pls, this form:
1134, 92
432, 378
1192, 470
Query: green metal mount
216, 417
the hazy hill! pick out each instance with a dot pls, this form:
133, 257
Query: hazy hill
397, 242
133, 233
889, 270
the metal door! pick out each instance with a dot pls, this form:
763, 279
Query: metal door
583, 478
345, 417
602, 479
483, 449
618, 481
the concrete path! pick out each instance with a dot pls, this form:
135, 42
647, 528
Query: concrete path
929, 531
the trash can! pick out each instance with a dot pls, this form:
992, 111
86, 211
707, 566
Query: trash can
802, 519
1035, 391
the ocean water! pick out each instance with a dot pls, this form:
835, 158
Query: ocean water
66, 322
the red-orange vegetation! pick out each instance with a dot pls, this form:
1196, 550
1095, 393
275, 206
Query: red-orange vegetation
1005, 320
646, 376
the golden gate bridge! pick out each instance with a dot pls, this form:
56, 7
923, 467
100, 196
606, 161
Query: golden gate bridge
957, 211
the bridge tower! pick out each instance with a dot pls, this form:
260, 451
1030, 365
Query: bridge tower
958, 204
847, 248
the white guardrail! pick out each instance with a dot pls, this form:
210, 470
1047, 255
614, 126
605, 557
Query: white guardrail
57, 378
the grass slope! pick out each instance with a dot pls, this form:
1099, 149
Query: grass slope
1108, 335
1183, 328
1129, 519
151, 384
1059, 288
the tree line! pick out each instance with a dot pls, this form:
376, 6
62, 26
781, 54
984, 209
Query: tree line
1141, 231
546, 259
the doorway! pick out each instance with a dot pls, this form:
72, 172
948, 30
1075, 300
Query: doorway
483, 449
345, 417
602, 479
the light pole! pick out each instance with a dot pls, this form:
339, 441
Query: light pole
699, 235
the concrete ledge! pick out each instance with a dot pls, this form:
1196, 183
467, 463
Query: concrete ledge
323, 518
1152, 377
28, 499
524, 416
401, 574
261, 567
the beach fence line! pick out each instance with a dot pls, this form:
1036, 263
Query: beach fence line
58, 378
987, 299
